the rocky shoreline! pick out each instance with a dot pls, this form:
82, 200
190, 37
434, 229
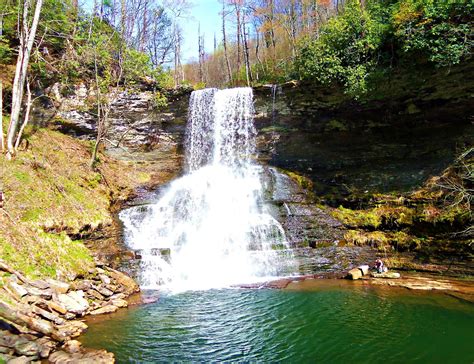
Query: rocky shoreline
462, 289
40, 319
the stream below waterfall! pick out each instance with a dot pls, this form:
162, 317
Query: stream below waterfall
338, 324
214, 228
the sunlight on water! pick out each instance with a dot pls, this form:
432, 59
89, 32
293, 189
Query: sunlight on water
211, 227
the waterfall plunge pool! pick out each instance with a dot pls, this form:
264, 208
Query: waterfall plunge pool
219, 231
339, 323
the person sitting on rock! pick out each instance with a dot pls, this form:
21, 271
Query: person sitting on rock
380, 267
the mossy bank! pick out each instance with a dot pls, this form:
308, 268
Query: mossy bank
54, 200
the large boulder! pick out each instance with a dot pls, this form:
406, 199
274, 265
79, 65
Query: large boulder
73, 302
122, 279
104, 310
354, 274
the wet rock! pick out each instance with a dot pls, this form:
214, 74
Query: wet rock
5, 350
119, 303
354, 274
82, 285
32, 300
118, 296
72, 329
391, 275
111, 287
128, 283
94, 294
15, 315
83, 357
120, 289
7, 339
60, 357
48, 315
74, 302
94, 305
70, 316
104, 310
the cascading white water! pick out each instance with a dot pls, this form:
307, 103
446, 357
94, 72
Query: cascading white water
211, 228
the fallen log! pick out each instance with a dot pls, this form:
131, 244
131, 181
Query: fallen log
39, 325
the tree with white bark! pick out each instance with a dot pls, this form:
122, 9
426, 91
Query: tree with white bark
27, 38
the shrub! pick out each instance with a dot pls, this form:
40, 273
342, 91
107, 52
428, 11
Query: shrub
438, 31
346, 51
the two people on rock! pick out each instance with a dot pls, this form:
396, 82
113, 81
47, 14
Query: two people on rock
380, 267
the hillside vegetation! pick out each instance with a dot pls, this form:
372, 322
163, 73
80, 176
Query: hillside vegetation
353, 43
53, 200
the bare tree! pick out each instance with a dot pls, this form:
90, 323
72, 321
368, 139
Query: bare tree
179, 10
27, 37
2, 140
224, 40
200, 53
160, 40
237, 5
27, 113
248, 69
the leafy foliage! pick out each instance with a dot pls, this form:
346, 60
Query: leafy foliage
346, 50
360, 42
440, 31
72, 45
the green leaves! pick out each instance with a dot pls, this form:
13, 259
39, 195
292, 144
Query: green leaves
346, 50
353, 46
438, 31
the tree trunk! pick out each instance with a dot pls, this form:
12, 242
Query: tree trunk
123, 17
27, 114
144, 29
201, 76
248, 70
2, 140
21, 71
99, 116
257, 49
237, 12
224, 40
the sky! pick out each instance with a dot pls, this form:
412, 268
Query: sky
205, 12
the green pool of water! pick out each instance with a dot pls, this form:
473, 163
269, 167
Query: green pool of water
337, 325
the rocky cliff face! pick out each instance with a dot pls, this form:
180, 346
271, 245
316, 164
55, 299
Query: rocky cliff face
136, 128
364, 155
405, 131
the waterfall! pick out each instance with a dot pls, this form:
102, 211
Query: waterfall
275, 89
211, 227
